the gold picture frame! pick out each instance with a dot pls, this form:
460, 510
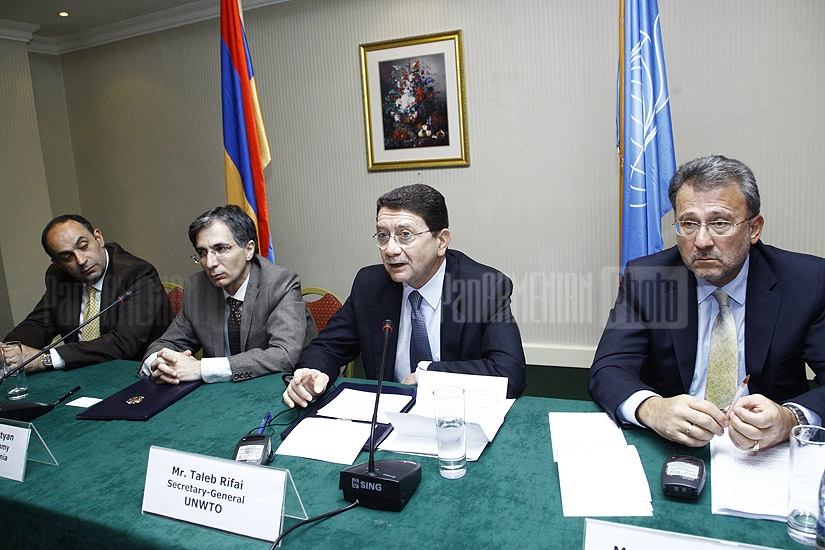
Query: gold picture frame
414, 102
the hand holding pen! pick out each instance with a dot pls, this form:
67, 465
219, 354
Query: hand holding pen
739, 392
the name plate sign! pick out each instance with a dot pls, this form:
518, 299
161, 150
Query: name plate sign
14, 446
599, 535
222, 494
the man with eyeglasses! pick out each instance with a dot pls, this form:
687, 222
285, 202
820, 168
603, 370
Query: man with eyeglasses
243, 310
692, 321
86, 276
449, 312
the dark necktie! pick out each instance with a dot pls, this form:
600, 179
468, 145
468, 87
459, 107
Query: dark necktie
723, 358
234, 325
419, 341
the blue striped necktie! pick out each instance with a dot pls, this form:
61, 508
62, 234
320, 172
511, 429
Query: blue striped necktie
419, 341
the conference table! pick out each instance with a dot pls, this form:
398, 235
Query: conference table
509, 497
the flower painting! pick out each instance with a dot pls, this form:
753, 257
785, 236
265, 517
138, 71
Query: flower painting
413, 102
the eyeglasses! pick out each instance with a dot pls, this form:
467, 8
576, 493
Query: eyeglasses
220, 253
718, 228
403, 238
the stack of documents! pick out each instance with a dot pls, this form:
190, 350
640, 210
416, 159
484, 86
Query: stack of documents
746, 484
599, 473
485, 405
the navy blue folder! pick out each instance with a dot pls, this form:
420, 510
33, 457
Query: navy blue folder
381, 430
140, 401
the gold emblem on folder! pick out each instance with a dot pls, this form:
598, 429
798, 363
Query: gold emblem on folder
134, 400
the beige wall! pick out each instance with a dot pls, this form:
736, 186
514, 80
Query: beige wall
24, 202
55, 137
540, 199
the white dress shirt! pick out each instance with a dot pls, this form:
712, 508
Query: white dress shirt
708, 309
431, 309
57, 361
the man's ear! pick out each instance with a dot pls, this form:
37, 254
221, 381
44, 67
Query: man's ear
99, 237
755, 228
443, 237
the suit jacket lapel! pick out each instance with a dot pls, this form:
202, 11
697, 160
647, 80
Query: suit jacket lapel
386, 306
69, 310
684, 337
761, 311
452, 310
249, 301
109, 292
213, 311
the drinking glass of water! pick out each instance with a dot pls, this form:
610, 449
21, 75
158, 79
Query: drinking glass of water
451, 431
11, 355
805, 472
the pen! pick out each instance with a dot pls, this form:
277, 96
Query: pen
65, 397
264, 422
738, 394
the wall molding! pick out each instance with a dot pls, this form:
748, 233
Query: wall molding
12, 30
559, 355
201, 10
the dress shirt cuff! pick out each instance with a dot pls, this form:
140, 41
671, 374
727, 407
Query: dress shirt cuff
422, 365
627, 410
216, 369
146, 366
57, 361
812, 418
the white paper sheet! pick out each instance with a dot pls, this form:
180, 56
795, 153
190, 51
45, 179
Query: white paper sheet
592, 430
599, 474
359, 405
326, 439
485, 406
602, 484
414, 434
84, 402
746, 484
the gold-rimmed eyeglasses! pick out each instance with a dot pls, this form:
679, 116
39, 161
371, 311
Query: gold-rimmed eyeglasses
402, 238
718, 228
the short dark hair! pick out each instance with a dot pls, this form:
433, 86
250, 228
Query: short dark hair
713, 172
239, 223
421, 200
62, 219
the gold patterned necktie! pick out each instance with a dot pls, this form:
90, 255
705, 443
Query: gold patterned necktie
723, 358
92, 330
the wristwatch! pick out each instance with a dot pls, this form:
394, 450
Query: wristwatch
47, 360
797, 412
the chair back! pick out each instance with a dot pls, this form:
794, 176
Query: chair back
324, 307
175, 294
322, 311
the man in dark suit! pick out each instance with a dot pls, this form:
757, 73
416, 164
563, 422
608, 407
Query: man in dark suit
85, 277
243, 310
451, 313
688, 325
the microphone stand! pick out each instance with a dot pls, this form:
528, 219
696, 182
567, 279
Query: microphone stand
120, 299
385, 484
27, 411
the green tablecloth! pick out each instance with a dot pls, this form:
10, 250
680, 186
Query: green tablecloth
509, 498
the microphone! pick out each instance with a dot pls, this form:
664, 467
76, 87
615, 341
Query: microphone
26, 411
386, 484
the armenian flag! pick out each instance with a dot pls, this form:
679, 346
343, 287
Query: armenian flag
246, 148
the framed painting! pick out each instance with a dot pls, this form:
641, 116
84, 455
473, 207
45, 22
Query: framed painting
414, 102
